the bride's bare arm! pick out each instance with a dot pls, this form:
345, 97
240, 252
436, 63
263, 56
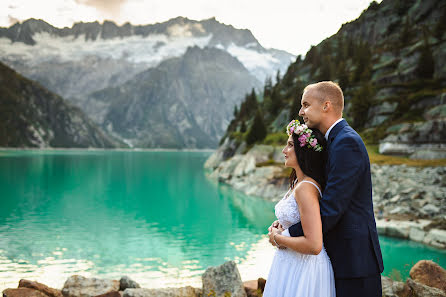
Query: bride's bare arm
307, 198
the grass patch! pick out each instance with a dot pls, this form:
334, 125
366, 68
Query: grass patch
270, 162
279, 138
377, 158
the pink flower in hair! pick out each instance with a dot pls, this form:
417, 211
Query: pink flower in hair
313, 142
292, 130
302, 139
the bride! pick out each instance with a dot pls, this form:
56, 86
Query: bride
301, 266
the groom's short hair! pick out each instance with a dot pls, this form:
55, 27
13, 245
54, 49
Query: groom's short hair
328, 91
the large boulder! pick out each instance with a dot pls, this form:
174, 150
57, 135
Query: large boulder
429, 273
23, 292
167, 292
79, 286
223, 279
50, 292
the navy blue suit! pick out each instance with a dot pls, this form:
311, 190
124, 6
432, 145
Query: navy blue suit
348, 221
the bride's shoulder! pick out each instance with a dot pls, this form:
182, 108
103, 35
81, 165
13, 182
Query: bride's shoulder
305, 191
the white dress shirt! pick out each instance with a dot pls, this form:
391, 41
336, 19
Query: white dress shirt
329, 129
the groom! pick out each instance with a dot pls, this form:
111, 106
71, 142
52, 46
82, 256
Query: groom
348, 221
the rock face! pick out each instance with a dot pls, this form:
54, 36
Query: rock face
400, 192
182, 103
218, 281
430, 274
34, 117
79, 286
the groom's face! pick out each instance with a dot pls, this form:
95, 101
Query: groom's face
311, 110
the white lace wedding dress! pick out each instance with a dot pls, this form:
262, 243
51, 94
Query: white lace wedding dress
293, 274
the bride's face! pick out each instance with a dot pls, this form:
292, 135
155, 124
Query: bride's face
290, 154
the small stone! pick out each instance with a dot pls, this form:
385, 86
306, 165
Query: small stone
126, 282
430, 209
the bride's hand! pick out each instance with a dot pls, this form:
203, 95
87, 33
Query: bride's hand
276, 224
271, 233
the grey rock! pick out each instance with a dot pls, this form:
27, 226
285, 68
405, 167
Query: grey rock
222, 279
126, 282
420, 290
429, 209
79, 286
165, 292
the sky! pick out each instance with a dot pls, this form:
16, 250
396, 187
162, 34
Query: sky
291, 25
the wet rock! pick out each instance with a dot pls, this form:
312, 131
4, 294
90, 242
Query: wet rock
223, 279
79, 286
50, 292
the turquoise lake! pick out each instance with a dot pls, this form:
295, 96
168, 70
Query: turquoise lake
151, 215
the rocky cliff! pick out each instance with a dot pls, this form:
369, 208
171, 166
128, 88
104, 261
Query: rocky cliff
391, 65
409, 202
31, 116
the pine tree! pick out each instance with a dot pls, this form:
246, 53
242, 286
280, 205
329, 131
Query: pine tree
243, 127
426, 64
257, 131
343, 75
267, 89
441, 25
294, 110
235, 111
361, 103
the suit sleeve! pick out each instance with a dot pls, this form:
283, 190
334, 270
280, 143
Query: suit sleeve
345, 171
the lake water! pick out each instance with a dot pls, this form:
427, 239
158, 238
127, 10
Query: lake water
151, 215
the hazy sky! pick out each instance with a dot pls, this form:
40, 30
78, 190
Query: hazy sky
292, 25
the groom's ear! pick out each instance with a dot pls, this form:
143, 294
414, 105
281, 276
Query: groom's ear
326, 106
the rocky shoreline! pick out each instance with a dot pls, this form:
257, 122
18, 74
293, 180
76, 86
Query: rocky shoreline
409, 202
426, 279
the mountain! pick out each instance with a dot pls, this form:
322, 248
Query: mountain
89, 57
35, 117
391, 65
183, 102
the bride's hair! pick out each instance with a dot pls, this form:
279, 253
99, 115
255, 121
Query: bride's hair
311, 162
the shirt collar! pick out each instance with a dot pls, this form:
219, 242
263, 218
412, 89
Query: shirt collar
329, 129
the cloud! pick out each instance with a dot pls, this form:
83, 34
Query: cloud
111, 8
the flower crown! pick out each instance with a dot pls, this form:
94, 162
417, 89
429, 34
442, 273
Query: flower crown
306, 136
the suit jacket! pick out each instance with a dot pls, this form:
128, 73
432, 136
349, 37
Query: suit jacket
348, 221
